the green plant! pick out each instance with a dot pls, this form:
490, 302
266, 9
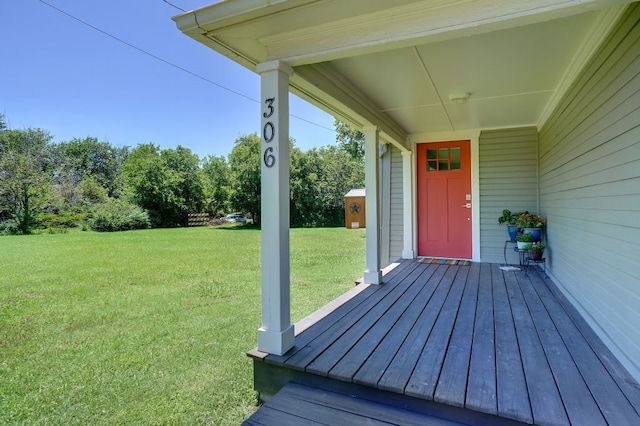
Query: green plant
530, 220
537, 247
525, 238
508, 217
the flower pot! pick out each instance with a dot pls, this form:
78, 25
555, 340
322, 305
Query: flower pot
523, 245
535, 254
536, 232
513, 232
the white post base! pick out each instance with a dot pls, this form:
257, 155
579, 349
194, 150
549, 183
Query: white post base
408, 254
374, 277
275, 342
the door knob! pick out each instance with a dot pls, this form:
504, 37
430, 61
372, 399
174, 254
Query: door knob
467, 206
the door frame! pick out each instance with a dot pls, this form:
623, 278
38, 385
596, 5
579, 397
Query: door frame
474, 137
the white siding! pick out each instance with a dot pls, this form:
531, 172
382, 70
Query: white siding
396, 226
590, 192
508, 176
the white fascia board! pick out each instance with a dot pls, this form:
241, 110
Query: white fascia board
416, 23
204, 24
232, 12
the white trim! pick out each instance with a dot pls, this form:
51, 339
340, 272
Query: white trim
408, 251
475, 199
373, 273
385, 204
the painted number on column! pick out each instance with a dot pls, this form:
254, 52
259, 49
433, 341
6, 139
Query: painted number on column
268, 133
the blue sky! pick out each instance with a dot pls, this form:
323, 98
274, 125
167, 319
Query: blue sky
60, 75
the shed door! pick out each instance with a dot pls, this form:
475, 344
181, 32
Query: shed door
444, 199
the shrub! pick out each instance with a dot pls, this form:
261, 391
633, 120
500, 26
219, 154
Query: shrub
118, 216
10, 226
64, 219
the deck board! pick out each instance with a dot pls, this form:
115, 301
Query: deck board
452, 383
513, 399
399, 372
629, 387
302, 358
578, 401
378, 361
544, 397
600, 383
477, 344
423, 381
481, 389
354, 333
350, 364
301, 405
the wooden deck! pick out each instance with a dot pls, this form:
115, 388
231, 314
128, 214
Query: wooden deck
471, 344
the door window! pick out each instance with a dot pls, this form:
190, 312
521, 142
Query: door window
443, 159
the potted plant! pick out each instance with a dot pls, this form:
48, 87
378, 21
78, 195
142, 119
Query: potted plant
536, 250
509, 219
531, 224
524, 241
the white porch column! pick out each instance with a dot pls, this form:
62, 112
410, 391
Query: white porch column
276, 334
407, 206
373, 273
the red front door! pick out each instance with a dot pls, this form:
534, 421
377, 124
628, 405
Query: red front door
444, 199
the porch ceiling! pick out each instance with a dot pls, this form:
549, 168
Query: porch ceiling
396, 64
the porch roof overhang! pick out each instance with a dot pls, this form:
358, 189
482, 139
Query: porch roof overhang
400, 65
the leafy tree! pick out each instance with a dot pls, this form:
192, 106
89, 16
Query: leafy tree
215, 180
339, 173
24, 174
244, 165
189, 190
92, 192
305, 174
100, 161
165, 183
350, 140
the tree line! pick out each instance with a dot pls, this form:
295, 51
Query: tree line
87, 182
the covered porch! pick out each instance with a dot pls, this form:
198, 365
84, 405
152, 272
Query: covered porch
472, 344
541, 100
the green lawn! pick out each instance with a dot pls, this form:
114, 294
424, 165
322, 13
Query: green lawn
147, 327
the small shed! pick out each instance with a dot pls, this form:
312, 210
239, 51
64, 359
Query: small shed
354, 208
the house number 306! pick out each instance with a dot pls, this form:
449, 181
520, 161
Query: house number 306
268, 133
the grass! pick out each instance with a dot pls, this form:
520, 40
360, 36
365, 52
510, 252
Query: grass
147, 327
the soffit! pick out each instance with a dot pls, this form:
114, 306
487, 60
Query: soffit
509, 75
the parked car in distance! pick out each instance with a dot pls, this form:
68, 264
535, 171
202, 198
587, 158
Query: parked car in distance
236, 218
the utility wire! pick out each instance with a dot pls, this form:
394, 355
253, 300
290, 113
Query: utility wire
158, 58
171, 4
